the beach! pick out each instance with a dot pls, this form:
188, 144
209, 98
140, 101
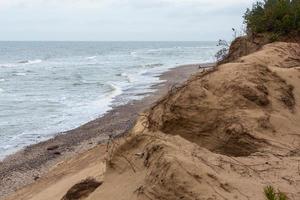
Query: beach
150, 100
31, 163
227, 132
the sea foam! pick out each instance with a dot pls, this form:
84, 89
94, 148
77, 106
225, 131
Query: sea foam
77, 83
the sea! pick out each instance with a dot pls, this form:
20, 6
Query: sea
51, 87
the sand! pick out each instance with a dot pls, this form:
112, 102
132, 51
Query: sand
226, 133
32, 163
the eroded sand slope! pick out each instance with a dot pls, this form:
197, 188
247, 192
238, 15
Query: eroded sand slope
225, 134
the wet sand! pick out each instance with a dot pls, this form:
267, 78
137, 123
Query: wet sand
29, 164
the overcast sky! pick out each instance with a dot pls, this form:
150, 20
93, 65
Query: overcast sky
120, 20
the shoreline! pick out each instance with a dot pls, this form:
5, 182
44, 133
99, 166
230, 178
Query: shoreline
32, 162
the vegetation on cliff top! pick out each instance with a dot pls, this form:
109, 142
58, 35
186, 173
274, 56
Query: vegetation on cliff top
278, 17
267, 21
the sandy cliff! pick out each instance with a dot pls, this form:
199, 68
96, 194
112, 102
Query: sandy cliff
224, 134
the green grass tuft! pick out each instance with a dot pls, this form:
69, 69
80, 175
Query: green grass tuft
282, 196
271, 194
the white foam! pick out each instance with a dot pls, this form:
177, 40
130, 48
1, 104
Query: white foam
134, 54
116, 90
91, 57
21, 63
129, 78
8, 65
70, 106
34, 61
20, 74
28, 62
154, 65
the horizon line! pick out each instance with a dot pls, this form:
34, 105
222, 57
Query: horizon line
108, 40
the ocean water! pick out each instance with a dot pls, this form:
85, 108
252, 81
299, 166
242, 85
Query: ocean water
51, 87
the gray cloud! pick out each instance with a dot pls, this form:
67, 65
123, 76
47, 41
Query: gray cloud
120, 19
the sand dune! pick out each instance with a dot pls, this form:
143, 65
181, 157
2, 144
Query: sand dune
224, 134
